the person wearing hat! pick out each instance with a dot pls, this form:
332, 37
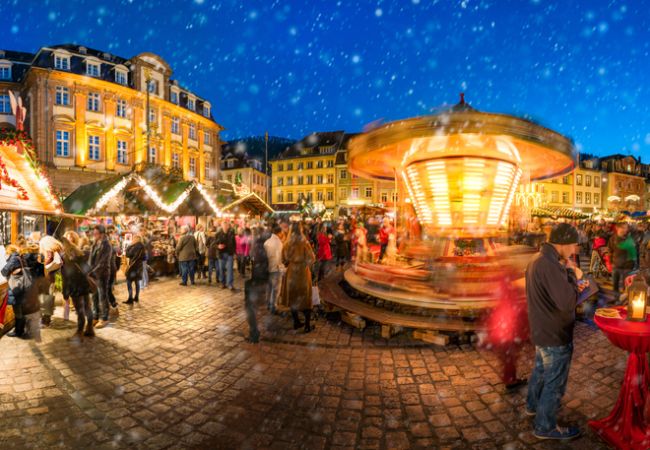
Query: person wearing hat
552, 289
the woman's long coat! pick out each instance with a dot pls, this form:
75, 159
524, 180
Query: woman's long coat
296, 290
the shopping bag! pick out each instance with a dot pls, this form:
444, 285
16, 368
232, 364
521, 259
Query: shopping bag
315, 296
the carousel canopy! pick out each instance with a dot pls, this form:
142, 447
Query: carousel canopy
24, 185
249, 203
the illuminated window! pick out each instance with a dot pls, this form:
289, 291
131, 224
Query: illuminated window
355, 192
151, 157
152, 115
92, 69
208, 169
578, 197
62, 96
290, 166
279, 182
62, 143
62, 62
319, 179
330, 163
310, 179
588, 180
5, 72
280, 167
192, 131
121, 108
554, 196
344, 174
176, 161
120, 77
280, 197
94, 102
596, 199
176, 125
310, 164
5, 104
93, 148
565, 197
330, 178
289, 181
330, 196
206, 138
300, 180
319, 196
192, 167
122, 153
579, 179
289, 196
319, 164
384, 197
368, 192
300, 166
588, 198
191, 104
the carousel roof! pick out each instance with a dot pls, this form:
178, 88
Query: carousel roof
24, 185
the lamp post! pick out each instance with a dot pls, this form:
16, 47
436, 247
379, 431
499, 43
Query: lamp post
147, 77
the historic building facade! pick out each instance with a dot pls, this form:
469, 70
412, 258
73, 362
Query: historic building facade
246, 172
91, 114
625, 188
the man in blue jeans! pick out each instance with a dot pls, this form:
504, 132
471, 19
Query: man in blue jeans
552, 290
226, 245
186, 252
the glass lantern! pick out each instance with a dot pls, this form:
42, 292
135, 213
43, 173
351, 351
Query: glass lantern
637, 296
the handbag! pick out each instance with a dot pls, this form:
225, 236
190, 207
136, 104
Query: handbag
19, 283
91, 281
315, 296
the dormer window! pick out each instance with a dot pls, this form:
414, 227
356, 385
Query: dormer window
83, 50
206, 109
191, 104
5, 70
121, 76
92, 68
173, 96
61, 62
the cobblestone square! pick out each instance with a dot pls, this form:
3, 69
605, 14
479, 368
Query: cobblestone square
176, 372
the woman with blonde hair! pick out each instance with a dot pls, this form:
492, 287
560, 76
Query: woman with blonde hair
296, 293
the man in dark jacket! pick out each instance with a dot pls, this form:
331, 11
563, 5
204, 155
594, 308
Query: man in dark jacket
226, 245
186, 252
255, 289
624, 255
552, 290
101, 262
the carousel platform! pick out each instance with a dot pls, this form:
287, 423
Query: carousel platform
357, 310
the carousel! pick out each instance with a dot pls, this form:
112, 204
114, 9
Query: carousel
460, 170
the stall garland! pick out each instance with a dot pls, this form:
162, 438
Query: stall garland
25, 146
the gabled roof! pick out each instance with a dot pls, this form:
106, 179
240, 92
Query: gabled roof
251, 202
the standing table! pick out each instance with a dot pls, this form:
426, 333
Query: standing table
627, 427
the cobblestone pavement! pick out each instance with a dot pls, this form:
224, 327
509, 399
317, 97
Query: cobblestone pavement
176, 372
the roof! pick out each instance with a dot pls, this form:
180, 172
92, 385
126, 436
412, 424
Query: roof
251, 202
318, 143
15, 56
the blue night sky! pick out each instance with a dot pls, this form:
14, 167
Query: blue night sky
293, 67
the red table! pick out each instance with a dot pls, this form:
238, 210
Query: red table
626, 427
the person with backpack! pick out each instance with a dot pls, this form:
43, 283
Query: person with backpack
255, 288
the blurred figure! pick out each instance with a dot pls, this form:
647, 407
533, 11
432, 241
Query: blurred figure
242, 250
324, 254
76, 285
227, 247
384, 232
202, 249
186, 252
622, 249
101, 264
213, 256
298, 257
273, 248
133, 272
255, 289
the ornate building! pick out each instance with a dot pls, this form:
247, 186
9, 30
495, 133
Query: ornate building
239, 169
625, 188
91, 114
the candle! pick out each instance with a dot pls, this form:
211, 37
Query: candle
638, 306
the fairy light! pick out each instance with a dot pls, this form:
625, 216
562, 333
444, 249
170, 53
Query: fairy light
208, 199
114, 191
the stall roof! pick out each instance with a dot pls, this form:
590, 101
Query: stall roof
252, 202
23, 183
85, 197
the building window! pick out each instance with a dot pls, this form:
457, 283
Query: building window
151, 157
310, 164
319, 164
289, 181
578, 197
92, 69
192, 131
152, 115
173, 97
588, 180
596, 199
192, 167
62, 96
5, 105
579, 179
319, 179
330, 178
368, 192
330, 163
597, 181
280, 167
280, 197
343, 194
330, 196
5, 72
152, 87
344, 174
300, 166
176, 161
384, 197
206, 110
190, 103
395, 197
176, 125
300, 180
120, 77
62, 62
206, 138
93, 102
565, 197
207, 171
588, 198
279, 182
120, 110
289, 196
554, 197
62, 143
310, 179
122, 152
355, 192
319, 196
93, 148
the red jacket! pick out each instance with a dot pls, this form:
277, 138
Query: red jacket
384, 232
324, 249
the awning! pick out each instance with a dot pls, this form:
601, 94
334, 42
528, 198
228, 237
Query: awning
24, 185
249, 203
558, 212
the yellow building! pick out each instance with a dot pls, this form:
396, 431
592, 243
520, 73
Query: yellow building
625, 188
588, 182
557, 192
306, 171
87, 115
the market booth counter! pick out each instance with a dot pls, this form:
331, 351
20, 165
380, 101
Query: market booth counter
26, 200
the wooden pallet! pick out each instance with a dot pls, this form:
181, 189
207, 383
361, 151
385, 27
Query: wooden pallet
333, 294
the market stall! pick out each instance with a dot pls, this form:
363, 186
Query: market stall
26, 200
250, 204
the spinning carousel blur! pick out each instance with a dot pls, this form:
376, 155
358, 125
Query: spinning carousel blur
460, 169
